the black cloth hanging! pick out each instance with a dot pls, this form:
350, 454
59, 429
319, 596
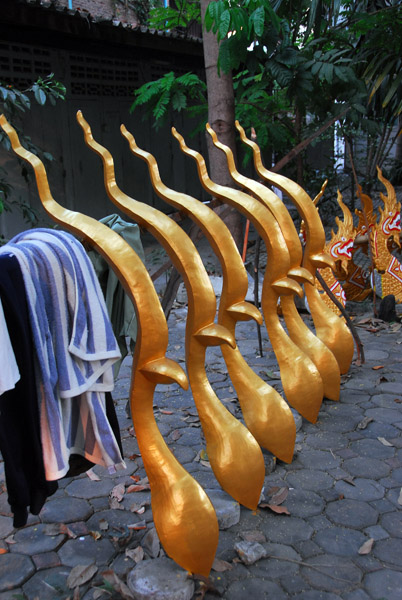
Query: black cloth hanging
20, 442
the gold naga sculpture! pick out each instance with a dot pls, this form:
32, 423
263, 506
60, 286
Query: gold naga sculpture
331, 329
301, 380
183, 514
301, 335
355, 278
265, 412
388, 227
234, 454
357, 285
340, 247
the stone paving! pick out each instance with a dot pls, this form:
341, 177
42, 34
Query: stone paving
342, 538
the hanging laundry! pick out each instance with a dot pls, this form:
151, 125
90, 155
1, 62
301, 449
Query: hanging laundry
9, 373
20, 442
74, 349
120, 308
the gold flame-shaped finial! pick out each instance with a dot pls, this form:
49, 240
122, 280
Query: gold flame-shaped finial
183, 514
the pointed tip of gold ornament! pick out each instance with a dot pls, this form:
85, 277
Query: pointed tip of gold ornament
166, 371
301, 274
215, 335
322, 261
244, 311
287, 287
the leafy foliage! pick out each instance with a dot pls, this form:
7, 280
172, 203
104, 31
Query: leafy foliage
185, 13
297, 64
170, 92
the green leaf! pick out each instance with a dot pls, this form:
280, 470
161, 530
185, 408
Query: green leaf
225, 58
40, 96
316, 67
179, 100
258, 19
161, 106
224, 24
392, 89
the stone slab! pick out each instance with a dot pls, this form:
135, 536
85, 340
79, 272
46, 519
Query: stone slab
160, 579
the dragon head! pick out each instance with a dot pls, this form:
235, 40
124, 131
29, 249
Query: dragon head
390, 215
341, 243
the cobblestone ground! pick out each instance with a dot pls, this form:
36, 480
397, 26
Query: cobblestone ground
341, 540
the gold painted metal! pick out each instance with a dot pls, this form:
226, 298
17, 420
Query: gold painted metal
331, 329
301, 380
265, 412
302, 336
234, 454
387, 228
357, 286
183, 514
340, 247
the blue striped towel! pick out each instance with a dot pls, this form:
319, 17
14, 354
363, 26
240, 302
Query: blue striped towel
75, 349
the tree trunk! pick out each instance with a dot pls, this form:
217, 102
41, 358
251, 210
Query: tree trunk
221, 117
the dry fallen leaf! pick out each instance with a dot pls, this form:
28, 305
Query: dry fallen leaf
364, 422
114, 504
138, 526
136, 554
280, 496
80, 575
57, 528
165, 412
280, 510
103, 525
96, 535
366, 547
220, 566
10, 539
384, 442
349, 480
3, 550
137, 488
376, 368
118, 585
176, 434
118, 492
137, 509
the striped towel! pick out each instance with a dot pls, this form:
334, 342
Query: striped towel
75, 349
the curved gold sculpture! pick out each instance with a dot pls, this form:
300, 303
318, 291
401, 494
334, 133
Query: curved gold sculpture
265, 412
234, 454
340, 247
301, 380
183, 514
332, 330
387, 228
302, 336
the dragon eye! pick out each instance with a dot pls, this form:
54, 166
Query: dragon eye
343, 239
